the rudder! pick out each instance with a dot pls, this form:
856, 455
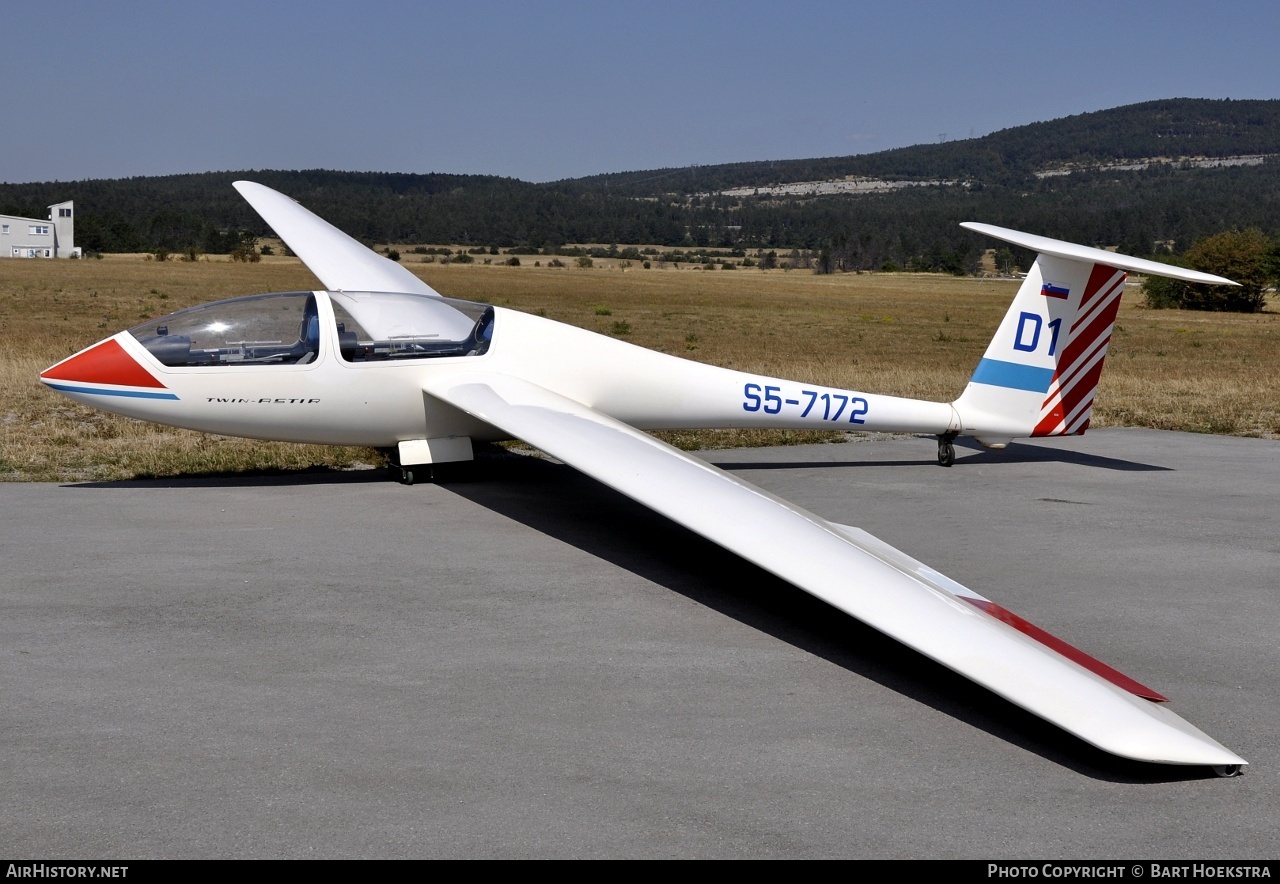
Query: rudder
1068, 404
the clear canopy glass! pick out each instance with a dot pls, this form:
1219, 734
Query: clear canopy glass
284, 329
379, 325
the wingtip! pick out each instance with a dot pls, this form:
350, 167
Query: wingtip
258, 194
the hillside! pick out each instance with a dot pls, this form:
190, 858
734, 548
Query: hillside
1171, 128
1134, 177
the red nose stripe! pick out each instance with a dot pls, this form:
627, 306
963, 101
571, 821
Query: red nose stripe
106, 363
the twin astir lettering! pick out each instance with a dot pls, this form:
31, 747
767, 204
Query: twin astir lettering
261, 401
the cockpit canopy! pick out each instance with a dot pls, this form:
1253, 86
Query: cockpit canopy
284, 329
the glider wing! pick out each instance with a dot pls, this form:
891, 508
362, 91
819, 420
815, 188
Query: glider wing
340, 262
845, 567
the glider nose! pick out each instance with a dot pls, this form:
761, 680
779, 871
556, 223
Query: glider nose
105, 369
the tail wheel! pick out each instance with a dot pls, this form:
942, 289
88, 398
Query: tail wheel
946, 450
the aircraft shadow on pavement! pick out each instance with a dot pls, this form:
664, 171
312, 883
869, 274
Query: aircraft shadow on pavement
572, 508
1015, 453
486, 455
248, 479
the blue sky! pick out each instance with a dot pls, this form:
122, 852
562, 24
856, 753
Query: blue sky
549, 90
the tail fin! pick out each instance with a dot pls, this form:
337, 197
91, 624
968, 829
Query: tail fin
1040, 372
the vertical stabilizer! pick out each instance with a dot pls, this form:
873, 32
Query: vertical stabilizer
1040, 373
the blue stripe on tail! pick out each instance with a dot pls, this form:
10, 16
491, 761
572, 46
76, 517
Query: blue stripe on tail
1012, 375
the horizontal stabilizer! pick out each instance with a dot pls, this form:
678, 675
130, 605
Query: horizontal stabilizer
1059, 249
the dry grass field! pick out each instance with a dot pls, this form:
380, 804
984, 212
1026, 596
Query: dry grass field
907, 335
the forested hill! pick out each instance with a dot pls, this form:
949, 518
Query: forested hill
1138, 177
204, 211
1171, 128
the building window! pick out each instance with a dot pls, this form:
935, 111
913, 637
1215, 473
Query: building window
38, 229
64, 213
4, 229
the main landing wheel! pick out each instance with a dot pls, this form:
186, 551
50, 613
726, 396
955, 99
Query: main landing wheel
946, 451
403, 475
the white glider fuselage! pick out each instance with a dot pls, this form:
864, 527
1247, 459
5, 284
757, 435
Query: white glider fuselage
330, 400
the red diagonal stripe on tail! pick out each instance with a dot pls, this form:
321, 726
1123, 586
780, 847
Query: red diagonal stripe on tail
1098, 279
1070, 385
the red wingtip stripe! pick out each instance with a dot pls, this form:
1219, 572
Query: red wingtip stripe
1094, 665
107, 363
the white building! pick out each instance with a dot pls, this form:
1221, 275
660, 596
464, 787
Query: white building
33, 238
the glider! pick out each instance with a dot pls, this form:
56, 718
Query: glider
381, 359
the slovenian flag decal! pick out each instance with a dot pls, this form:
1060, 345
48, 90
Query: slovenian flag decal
1049, 290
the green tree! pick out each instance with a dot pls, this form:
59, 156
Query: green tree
1162, 293
244, 247
1247, 257
826, 262
1006, 263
